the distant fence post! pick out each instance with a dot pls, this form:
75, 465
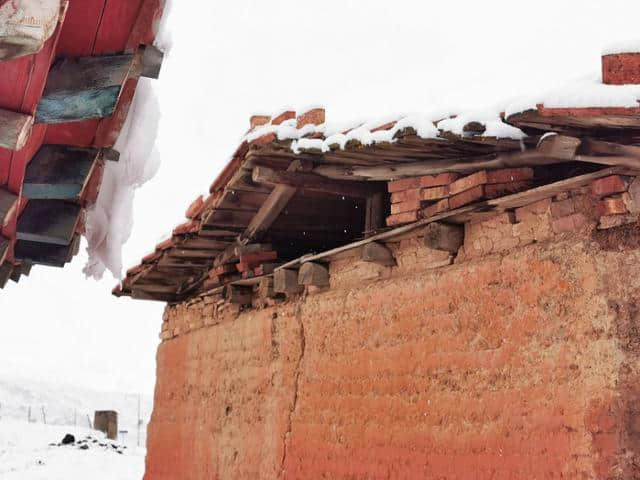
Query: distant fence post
29, 414
89, 421
44, 416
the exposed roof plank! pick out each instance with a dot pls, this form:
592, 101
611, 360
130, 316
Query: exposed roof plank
83, 88
48, 221
59, 172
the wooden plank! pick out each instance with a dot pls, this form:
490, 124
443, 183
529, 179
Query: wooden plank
272, 207
228, 218
5, 273
83, 88
8, 205
44, 253
239, 200
25, 26
375, 213
14, 129
48, 221
375, 252
4, 248
313, 274
442, 236
313, 182
59, 172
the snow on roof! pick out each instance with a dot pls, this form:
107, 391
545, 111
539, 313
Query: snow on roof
623, 46
585, 92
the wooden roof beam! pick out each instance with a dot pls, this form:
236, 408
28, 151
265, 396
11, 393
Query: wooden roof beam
312, 182
551, 150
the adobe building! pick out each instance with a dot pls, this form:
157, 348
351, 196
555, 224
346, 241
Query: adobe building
68, 74
453, 299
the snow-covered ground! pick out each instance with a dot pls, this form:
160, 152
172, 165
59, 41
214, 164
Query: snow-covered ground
30, 451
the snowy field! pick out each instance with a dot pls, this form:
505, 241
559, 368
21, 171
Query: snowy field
26, 453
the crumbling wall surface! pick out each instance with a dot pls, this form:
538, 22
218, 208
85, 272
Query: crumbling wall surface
520, 365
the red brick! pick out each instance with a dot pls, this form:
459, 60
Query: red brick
283, 117
612, 206
467, 196
258, 120
496, 190
609, 185
435, 208
195, 208
562, 208
610, 221
570, 223
468, 182
502, 176
314, 116
435, 193
406, 195
438, 180
403, 184
406, 217
258, 257
405, 206
507, 175
621, 69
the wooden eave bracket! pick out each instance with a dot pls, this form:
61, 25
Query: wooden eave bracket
15, 129
25, 26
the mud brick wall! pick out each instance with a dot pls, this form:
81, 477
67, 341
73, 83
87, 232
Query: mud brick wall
515, 362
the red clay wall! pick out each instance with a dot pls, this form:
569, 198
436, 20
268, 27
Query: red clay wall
518, 365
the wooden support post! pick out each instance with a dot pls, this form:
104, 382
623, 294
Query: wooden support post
14, 129
377, 253
442, 236
313, 274
265, 288
238, 294
272, 207
286, 281
375, 214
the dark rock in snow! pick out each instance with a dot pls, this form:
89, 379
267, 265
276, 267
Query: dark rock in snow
68, 439
84, 447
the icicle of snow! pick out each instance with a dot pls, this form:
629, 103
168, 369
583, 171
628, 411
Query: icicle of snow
110, 220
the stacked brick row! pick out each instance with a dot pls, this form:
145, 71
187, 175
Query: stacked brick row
252, 261
607, 202
619, 200
423, 197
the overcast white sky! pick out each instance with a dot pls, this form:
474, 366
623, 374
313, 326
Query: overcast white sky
231, 59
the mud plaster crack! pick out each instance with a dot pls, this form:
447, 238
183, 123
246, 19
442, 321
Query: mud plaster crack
296, 382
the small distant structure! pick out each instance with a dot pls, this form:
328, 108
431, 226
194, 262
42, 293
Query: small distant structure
106, 421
